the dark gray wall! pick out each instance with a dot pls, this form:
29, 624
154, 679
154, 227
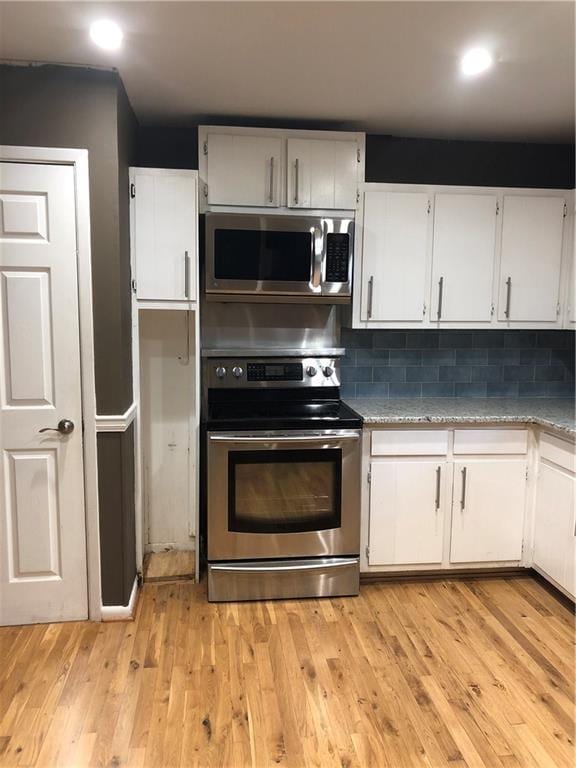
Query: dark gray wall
117, 524
53, 106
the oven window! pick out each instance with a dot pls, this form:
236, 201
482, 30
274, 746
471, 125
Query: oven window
245, 254
284, 491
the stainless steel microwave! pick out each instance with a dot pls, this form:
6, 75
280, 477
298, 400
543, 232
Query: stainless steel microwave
254, 257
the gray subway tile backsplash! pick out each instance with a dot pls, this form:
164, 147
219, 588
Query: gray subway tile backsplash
455, 363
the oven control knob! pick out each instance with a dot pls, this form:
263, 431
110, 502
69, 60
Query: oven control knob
237, 372
327, 371
311, 371
220, 372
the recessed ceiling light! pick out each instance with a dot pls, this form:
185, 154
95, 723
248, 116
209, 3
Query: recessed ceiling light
107, 34
475, 61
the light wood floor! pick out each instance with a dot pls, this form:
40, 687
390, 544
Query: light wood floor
166, 566
476, 673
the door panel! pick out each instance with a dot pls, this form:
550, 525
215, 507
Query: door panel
165, 235
322, 174
488, 508
531, 258
554, 526
407, 503
463, 257
42, 526
244, 170
394, 256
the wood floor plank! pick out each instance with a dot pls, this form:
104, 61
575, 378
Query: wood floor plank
446, 674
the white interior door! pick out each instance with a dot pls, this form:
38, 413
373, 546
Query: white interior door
42, 524
407, 503
394, 255
488, 510
532, 230
463, 257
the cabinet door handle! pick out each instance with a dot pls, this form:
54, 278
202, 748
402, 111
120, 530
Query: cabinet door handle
370, 295
440, 296
508, 292
296, 180
463, 496
271, 190
438, 480
186, 275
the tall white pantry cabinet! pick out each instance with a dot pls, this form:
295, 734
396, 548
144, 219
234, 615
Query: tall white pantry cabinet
166, 357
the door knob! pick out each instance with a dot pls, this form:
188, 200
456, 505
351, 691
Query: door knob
65, 427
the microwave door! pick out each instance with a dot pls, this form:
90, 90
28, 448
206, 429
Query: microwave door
265, 259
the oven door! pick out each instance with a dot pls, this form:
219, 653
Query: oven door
251, 255
282, 495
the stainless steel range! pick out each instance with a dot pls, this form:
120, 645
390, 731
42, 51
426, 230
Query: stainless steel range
283, 478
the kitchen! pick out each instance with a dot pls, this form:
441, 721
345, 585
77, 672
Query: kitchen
333, 378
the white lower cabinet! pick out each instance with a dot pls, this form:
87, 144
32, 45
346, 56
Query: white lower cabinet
488, 508
554, 526
407, 511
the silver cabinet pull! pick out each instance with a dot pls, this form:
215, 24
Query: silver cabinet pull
463, 496
271, 190
186, 275
65, 427
296, 181
508, 292
440, 296
438, 479
370, 295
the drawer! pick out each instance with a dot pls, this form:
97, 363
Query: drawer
410, 442
481, 441
558, 451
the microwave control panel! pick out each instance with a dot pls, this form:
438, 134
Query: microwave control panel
337, 257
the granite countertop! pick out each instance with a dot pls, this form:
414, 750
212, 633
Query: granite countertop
554, 413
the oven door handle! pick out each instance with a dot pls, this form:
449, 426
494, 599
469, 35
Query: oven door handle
245, 568
285, 438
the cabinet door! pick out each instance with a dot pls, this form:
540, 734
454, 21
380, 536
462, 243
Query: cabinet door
165, 230
322, 173
407, 504
532, 230
394, 256
488, 510
463, 257
554, 526
244, 170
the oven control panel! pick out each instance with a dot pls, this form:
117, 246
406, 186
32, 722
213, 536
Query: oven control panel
272, 372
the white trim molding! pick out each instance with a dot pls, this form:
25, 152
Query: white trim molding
122, 612
116, 423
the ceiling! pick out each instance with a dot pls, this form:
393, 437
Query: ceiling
386, 67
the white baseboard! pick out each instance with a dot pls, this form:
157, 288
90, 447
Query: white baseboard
121, 612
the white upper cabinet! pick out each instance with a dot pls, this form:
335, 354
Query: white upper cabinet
463, 257
164, 212
531, 260
395, 252
280, 168
244, 170
322, 173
